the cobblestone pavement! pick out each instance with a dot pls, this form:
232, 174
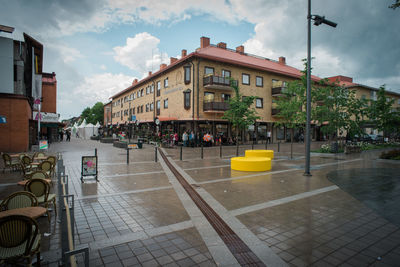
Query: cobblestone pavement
139, 215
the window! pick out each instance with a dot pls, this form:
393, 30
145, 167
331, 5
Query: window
133, 110
134, 95
259, 102
186, 99
187, 74
208, 96
141, 92
208, 71
166, 103
166, 82
141, 109
158, 107
138, 109
152, 88
158, 88
147, 107
151, 106
225, 97
373, 95
147, 90
398, 101
245, 79
226, 73
259, 81
158, 104
363, 96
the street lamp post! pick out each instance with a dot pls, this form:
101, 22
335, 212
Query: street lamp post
318, 20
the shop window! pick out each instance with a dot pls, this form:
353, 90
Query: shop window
245, 79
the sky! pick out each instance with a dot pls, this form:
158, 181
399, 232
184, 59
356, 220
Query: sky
98, 47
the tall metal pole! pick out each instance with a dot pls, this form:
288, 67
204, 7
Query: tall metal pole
308, 126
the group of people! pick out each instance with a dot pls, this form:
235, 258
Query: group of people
67, 133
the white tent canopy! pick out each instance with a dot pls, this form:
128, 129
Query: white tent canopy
85, 131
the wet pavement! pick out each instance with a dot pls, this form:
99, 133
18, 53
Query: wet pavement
139, 215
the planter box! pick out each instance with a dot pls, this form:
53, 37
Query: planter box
352, 149
109, 140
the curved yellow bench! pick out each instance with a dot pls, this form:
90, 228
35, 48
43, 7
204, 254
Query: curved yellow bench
251, 164
259, 153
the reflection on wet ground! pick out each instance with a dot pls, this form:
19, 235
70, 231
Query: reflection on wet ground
378, 189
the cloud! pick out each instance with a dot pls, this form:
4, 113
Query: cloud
103, 67
68, 54
99, 87
140, 53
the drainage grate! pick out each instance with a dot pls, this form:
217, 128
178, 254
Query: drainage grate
239, 249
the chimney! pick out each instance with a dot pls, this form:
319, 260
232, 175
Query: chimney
204, 42
172, 60
340, 78
282, 60
134, 81
163, 66
221, 45
240, 49
149, 73
184, 53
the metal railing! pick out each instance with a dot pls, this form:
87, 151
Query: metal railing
218, 106
67, 221
217, 80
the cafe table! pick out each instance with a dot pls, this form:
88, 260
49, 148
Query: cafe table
23, 183
32, 212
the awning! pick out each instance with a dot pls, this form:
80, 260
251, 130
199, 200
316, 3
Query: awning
167, 118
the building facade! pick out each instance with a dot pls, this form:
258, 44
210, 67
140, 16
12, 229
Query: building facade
192, 93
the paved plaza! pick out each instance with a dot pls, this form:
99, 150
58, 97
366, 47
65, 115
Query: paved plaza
141, 215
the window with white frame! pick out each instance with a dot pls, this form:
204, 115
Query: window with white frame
259, 81
226, 73
166, 103
166, 82
151, 106
259, 103
245, 78
208, 71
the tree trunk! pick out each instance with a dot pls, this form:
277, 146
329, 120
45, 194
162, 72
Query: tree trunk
237, 142
291, 143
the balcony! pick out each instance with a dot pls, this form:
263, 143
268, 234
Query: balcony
215, 106
274, 111
217, 82
278, 91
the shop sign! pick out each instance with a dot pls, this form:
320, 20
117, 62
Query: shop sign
89, 167
3, 119
46, 117
43, 144
133, 118
132, 146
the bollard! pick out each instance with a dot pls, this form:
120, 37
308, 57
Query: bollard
279, 146
266, 144
180, 154
127, 156
155, 154
220, 150
237, 150
252, 146
201, 151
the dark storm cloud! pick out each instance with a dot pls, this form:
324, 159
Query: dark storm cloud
367, 35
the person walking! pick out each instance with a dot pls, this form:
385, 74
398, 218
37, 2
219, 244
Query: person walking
191, 139
68, 136
185, 138
269, 136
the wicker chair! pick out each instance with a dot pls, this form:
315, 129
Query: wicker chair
52, 159
18, 200
39, 174
26, 172
27, 162
39, 154
19, 239
41, 189
46, 167
10, 163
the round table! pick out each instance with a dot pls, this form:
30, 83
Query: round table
23, 183
32, 212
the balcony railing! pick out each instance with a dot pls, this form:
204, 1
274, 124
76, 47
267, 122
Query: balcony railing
215, 106
217, 82
275, 91
274, 111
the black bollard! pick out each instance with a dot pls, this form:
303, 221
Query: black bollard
220, 150
279, 146
180, 154
201, 151
266, 144
252, 146
155, 154
127, 155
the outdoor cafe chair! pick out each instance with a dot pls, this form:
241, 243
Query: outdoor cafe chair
52, 159
20, 199
10, 163
27, 162
19, 239
26, 172
46, 167
41, 189
39, 154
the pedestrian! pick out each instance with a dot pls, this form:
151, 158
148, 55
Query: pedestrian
68, 136
191, 139
269, 136
176, 138
185, 138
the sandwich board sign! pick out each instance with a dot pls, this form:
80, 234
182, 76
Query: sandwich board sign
89, 167
132, 146
43, 144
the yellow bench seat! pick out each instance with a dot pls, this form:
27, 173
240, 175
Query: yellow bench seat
251, 164
259, 153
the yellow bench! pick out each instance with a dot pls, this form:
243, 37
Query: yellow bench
252, 164
259, 153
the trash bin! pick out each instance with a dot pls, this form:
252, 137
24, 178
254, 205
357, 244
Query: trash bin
335, 147
140, 144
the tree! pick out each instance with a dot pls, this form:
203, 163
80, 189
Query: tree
381, 113
395, 4
291, 106
94, 114
240, 114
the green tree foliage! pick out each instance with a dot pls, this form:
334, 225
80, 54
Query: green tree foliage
94, 114
382, 115
395, 5
240, 114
